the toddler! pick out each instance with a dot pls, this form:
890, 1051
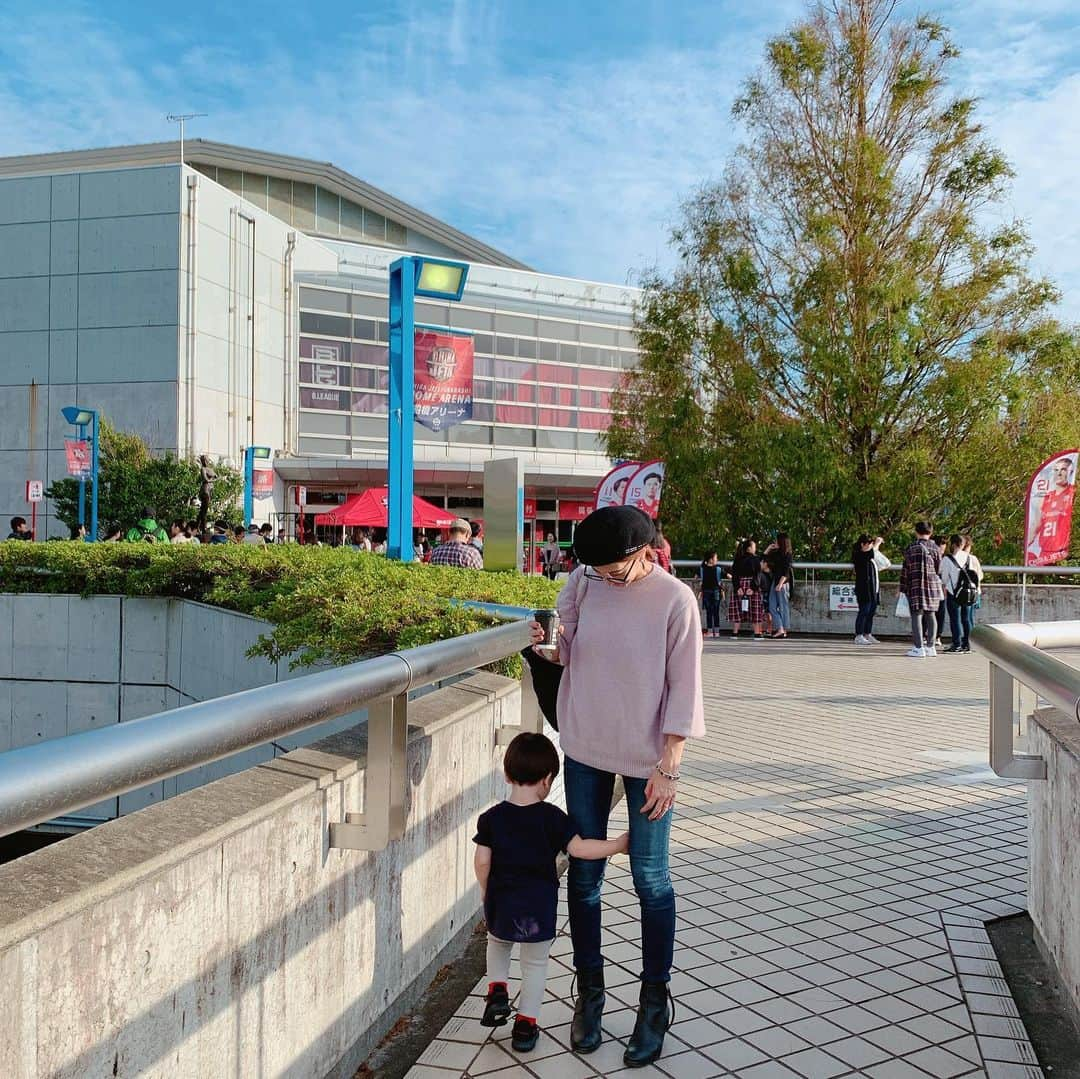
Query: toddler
517, 843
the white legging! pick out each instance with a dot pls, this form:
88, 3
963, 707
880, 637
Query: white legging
533, 958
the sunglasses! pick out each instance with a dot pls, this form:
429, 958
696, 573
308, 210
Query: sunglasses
611, 578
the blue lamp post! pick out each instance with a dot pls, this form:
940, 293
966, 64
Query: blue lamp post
410, 277
251, 455
80, 419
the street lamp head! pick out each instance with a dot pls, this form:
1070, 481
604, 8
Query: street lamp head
78, 417
440, 279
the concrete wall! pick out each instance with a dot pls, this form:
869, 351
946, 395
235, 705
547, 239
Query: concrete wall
69, 664
1000, 603
219, 935
1054, 845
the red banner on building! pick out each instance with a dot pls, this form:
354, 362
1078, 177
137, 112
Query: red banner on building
1048, 510
78, 457
530, 509
443, 375
573, 510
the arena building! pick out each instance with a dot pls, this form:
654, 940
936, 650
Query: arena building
240, 298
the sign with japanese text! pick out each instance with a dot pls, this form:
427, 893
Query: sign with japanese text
35, 491
443, 378
842, 597
77, 451
1048, 510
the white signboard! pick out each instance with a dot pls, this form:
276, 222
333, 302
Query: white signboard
842, 597
35, 491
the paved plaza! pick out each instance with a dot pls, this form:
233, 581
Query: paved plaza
839, 844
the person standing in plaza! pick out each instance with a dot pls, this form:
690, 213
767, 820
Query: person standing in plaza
457, 550
920, 581
961, 586
550, 554
745, 604
629, 697
976, 566
710, 593
868, 561
779, 558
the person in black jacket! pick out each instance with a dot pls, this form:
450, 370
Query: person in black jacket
868, 561
779, 559
710, 593
745, 603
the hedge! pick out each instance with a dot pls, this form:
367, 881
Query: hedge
325, 603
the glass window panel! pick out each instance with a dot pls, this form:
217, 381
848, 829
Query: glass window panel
598, 335
515, 324
367, 427
526, 391
369, 305
483, 411
324, 299
628, 339
324, 424
325, 374
546, 395
279, 201
324, 351
560, 331
557, 417
547, 350
506, 346
468, 319
327, 212
587, 354
483, 342
233, 179
589, 443
627, 360
514, 436
304, 206
606, 380
484, 365
365, 378
372, 403
555, 440
569, 353
435, 314
505, 391
594, 421
323, 447
395, 233
352, 220
483, 387
515, 414
324, 397
374, 225
374, 355
384, 331
422, 434
567, 397
471, 434
526, 349
331, 325
513, 369
255, 189
366, 329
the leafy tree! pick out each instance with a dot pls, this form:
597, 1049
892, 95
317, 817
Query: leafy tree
852, 338
132, 479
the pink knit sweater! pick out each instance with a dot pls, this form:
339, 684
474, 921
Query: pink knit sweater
633, 671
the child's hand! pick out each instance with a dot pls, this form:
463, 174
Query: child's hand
622, 843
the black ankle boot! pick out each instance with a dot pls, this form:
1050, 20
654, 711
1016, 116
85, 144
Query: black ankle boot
497, 1006
585, 1034
652, 1024
525, 1035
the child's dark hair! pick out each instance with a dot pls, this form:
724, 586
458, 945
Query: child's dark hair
530, 758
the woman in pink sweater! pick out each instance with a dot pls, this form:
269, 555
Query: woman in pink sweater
629, 698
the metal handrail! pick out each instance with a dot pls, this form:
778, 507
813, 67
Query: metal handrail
1013, 650
57, 777
1031, 571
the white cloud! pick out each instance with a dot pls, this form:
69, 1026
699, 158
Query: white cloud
576, 165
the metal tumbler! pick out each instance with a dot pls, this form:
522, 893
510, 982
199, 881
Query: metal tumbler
549, 623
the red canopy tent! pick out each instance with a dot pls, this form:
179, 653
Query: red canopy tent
370, 508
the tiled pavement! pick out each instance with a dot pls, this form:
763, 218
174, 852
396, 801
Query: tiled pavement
839, 844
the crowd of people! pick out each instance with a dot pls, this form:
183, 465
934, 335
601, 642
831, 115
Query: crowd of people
940, 576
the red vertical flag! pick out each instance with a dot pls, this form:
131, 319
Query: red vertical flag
1048, 510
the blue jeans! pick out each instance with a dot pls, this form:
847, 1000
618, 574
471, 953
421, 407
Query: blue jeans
960, 622
780, 608
588, 801
864, 620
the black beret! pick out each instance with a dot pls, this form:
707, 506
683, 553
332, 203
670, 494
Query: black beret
611, 534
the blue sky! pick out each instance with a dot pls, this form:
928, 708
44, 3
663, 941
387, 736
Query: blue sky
564, 133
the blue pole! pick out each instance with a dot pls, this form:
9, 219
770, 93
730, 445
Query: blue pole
94, 479
80, 434
249, 479
399, 543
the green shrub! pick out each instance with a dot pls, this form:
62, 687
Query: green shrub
325, 604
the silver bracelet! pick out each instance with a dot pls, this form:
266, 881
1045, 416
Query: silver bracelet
667, 775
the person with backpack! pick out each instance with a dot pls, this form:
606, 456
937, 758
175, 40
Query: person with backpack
961, 585
147, 530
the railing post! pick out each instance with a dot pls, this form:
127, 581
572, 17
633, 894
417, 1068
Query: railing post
1003, 760
385, 781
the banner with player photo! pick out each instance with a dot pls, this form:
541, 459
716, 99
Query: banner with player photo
1048, 510
613, 486
646, 487
443, 377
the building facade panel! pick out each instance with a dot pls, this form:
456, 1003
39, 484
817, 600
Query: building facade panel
134, 298
24, 249
25, 199
25, 358
129, 192
119, 244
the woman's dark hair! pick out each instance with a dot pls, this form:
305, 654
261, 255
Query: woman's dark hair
956, 541
530, 758
708, 555
865, 537
783, 541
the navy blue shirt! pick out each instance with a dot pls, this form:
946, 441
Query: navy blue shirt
523, 884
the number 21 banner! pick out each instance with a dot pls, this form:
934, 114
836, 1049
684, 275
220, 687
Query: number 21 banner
1048, 510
